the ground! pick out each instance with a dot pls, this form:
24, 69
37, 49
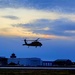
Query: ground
36, 72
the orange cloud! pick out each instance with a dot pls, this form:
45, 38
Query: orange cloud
22, 32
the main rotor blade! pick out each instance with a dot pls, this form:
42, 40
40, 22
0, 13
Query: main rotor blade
33, 40
40, 39
44, 39
30, 40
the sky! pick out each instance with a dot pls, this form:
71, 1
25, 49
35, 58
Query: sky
32, 19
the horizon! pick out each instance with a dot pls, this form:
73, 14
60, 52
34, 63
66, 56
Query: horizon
31, 58
32, 19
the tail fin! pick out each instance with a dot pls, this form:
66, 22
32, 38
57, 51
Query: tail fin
25, 42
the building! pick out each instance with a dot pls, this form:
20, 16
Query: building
24, 61
3, 61
47, 63
62, 62
13, 55
13, 61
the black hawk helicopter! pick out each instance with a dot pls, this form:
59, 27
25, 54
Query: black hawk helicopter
35, 43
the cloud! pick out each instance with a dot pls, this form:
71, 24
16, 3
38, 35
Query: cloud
32, 31
25, 15
60, 26
70, 31
11, 17
65, 5
49, 27
20, 32
36, 25
42, 22
22, 15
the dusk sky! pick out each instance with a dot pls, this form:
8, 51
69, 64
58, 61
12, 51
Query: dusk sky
32, 19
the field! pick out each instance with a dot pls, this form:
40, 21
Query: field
36, 72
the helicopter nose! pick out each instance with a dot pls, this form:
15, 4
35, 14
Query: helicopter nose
41, 44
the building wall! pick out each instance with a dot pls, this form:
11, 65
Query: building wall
3, 61
26, 61
47, 63
61, 62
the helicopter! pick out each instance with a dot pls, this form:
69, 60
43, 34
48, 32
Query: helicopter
35, 43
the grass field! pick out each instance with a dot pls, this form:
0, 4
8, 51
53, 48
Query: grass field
36, 72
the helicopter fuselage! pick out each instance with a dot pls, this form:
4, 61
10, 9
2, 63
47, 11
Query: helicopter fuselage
34, 43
